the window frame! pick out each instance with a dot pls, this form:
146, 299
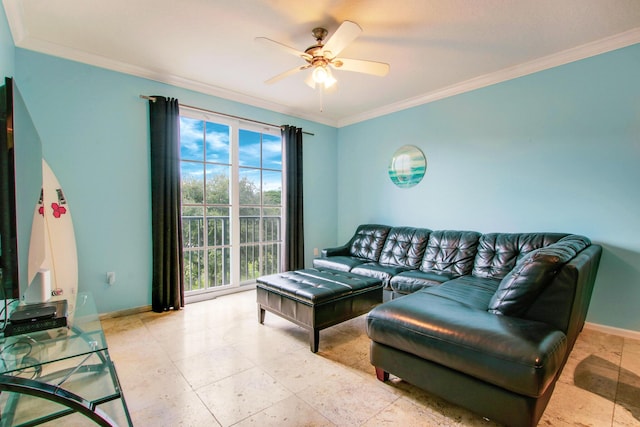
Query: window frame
235, 127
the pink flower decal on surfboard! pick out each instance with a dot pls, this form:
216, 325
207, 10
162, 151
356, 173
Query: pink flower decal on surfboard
58, 210
41, 210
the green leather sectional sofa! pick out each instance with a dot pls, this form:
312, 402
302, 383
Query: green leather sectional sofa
486, 321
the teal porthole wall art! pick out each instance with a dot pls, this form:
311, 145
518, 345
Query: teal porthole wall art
408, 166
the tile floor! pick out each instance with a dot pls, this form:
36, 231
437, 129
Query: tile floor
212, 364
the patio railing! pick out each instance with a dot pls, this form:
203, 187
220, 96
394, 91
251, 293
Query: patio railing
207, 260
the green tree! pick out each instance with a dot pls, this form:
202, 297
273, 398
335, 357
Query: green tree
217, 216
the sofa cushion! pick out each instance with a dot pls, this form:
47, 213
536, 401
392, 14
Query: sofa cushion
368, 241
404, 246
379, 271
498, 253
340, 263
411, 281
450, 251
532, 274
474, 292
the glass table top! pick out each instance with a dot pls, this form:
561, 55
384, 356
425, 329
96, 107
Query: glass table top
83, 335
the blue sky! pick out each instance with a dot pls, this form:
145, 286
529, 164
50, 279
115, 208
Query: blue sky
218, 151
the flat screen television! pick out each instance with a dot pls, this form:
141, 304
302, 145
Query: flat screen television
8, 220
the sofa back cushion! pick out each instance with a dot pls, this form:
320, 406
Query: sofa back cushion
450, 251
405, 246
498, 253
368, 241
521, 286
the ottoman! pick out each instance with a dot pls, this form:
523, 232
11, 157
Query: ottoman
317, 298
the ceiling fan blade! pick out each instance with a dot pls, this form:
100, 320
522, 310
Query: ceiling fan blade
286, 74
360, 66
272, 43
345, 34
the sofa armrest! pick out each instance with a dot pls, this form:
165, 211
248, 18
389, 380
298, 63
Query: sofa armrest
337, 251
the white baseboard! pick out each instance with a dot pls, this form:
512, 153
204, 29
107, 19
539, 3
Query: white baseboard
188, 299
127, 312
626, 333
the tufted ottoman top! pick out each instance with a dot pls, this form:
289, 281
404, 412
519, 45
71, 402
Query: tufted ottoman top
314, 286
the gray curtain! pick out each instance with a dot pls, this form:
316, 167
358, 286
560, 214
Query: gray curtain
293, 256
167, 289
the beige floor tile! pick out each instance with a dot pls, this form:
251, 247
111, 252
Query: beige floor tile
189, 411
598, 376
405, 413
265, 342
242, 395
571, 405
290, 412
592, 343
631, 356
153, 384
301, 369
628, 390
179, 347
624, 417
342, 347
212, 365
135, 354
344, 401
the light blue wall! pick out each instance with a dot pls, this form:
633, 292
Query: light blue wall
7, 49
555, 151
558, 150
94, 132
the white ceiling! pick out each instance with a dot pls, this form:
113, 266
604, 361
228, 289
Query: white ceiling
436, 48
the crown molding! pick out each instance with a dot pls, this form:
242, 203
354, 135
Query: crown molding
15, 17
598, 47
56, 50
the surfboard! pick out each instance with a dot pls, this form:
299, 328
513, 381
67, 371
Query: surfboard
53, 257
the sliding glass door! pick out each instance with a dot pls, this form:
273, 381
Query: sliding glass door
232, 212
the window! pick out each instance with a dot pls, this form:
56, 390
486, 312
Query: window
231, 202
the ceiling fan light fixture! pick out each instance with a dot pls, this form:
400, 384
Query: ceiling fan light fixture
322, 57
321, 74
329, 81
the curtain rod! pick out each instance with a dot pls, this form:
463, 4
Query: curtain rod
153, 99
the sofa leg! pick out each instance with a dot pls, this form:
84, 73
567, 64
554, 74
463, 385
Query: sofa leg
260, 314
381, 374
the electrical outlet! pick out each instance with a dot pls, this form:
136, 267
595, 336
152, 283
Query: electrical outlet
316, 252
111, 277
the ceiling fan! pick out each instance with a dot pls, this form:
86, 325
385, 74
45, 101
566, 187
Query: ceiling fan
323, 56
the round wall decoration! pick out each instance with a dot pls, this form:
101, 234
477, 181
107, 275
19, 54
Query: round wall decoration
407, 166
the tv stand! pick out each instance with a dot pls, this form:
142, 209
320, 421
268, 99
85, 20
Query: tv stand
50, 374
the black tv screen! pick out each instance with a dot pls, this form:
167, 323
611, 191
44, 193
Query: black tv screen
8, 223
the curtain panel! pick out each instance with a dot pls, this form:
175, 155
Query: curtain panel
167, 289
293, 256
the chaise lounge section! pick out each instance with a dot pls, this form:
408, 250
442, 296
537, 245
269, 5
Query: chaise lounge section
486, 321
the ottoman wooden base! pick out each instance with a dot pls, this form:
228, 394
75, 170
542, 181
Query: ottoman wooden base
317, 298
